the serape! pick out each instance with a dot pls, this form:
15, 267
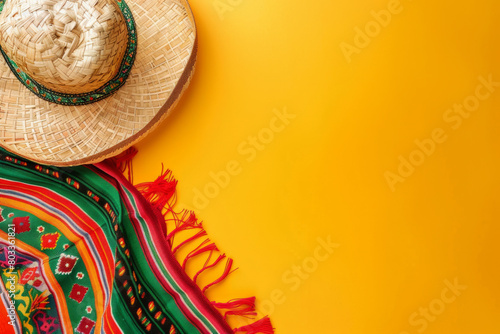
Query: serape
84, 251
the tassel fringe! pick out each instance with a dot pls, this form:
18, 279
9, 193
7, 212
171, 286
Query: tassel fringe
161, 194
263, 326
244, 307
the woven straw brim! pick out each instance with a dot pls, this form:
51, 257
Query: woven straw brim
61, 135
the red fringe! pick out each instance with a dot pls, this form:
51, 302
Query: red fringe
199, 234
199, 250
261, 326
162, 196
244, 307
226, 273
160, 192
208, 266
183, 223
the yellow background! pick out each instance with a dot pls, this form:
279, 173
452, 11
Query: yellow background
323, 175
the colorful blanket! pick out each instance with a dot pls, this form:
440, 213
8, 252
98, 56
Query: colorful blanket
83, 251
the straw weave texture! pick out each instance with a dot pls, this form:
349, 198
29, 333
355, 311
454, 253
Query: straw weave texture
67, 135
70, 47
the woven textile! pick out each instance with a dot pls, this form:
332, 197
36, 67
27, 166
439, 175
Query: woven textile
90, 256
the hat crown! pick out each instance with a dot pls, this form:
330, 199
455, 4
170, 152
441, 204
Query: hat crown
68, 46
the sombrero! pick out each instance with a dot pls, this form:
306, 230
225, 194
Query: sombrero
83, 80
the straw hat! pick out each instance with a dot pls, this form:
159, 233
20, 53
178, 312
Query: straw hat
83, 80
